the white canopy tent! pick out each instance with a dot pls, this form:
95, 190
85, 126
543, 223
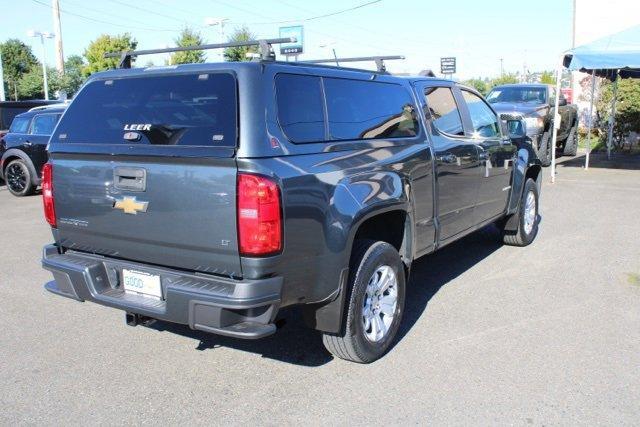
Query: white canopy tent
612, 57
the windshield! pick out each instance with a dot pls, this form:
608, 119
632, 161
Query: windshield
191, 109
533, 95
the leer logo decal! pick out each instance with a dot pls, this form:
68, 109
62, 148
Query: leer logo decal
130, 205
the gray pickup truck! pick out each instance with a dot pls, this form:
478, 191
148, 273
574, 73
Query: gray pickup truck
534, 103
213, 195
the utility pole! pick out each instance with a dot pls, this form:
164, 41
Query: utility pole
57, 28
501, 67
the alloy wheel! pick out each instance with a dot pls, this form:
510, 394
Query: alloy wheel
529, 212
380, 303
16, 176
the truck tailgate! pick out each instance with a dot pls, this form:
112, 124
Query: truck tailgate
182, 215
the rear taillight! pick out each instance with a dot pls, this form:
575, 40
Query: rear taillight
259, 216
47, 194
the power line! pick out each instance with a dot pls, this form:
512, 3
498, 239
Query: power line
377, 32
253, 12
102, 12
100, 21
132, 6
311, 18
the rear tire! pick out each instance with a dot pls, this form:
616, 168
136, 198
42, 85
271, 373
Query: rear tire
523, 228
375, 304
544, 149
571, 144
18, 178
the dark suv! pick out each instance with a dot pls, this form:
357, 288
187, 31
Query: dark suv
10, 109
23, 150
213, 195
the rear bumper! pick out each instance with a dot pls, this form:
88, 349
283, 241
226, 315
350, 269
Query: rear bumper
238, 308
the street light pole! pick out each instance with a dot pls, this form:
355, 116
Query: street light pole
44, 69
43, 35
2, 95
220, 22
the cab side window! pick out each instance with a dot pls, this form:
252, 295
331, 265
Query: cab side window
444, 111
44, 124
485, 122
359, 109
300, 107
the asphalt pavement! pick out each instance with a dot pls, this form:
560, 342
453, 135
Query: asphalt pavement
493, 335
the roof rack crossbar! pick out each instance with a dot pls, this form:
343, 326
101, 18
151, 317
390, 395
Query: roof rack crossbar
266, 52
379, 60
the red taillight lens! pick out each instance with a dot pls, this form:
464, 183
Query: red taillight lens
47, 194
259, 215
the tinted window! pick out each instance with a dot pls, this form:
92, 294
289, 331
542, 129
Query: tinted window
194, 109
367, 110
300, 109
444, 110
19, 125
485, 122
43, 124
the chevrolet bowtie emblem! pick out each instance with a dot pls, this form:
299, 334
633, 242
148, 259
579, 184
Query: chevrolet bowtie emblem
130, 205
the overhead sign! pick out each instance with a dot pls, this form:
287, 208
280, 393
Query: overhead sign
448, 65
294, 48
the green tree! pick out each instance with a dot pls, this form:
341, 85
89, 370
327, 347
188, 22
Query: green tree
627, 108
478, 84
31, 84
188, 37
17, 60
502, 80
241, 34
73, 78
94, 53
547, 78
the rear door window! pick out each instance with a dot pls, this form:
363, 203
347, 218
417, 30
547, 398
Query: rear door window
444, 110
19, 125
300, 107
368, 110
43, 124
187, 109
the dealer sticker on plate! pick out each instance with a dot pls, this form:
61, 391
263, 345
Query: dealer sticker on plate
142, 283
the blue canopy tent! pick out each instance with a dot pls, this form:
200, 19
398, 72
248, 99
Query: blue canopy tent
611, 57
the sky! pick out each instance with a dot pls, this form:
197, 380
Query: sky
477, 33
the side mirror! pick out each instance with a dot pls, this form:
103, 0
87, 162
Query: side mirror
516, 129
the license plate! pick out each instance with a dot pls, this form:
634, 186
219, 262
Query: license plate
142, 283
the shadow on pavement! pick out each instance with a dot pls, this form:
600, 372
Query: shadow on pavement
600, 161
296, 344
431, 272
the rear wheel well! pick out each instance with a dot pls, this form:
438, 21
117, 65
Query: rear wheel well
387, 227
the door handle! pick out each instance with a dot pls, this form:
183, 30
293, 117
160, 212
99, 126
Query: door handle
447, 158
